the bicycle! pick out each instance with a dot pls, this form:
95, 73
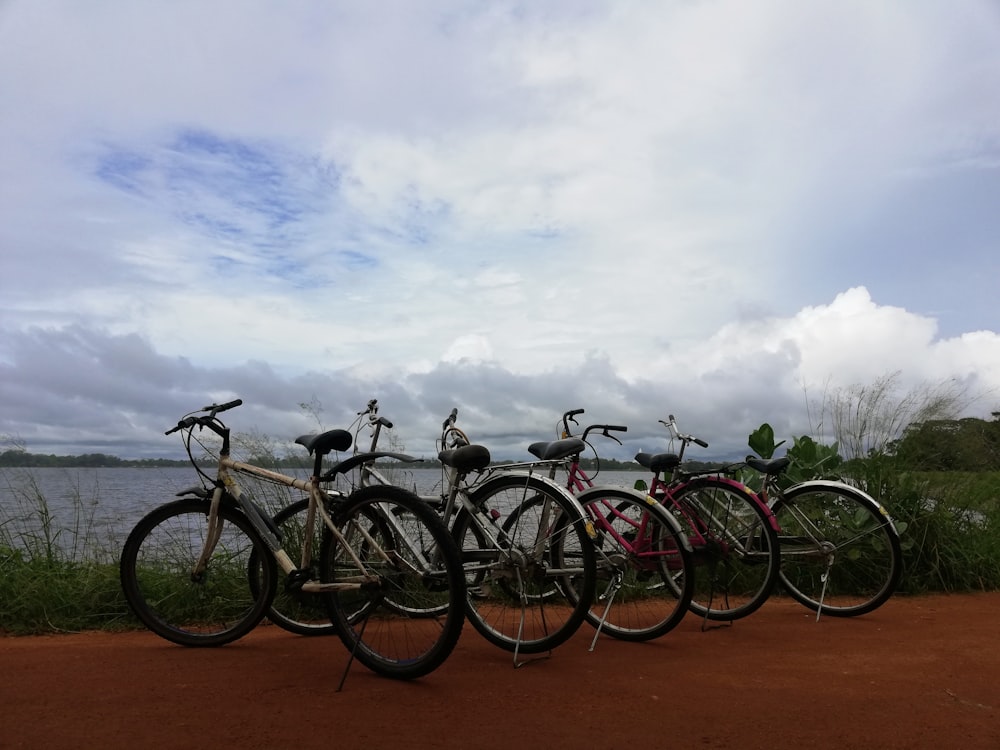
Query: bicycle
511, 567
302, 612
644, 561
203, 570
840, 550
733, 533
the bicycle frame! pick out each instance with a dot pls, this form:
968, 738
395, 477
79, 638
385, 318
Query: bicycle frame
299, 577
578, 481
679, 479
263, 526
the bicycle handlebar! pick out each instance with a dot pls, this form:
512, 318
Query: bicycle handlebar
212, 409
671, 425
605, 428
374, 420
224, 407
182, 424
567, 418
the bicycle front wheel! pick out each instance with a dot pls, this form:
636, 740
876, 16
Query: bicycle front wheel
530, 590
399, 601
735, 546
208, 608
840, 553
645, 572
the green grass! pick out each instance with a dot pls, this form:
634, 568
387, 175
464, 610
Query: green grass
57, 595
55, 577
949, 525
65, 578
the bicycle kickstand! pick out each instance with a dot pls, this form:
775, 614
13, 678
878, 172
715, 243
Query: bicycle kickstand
350, 661
609, 594
825, 578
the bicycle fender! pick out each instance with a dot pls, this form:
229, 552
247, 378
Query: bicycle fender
205, 494
739, 486
582, 515
642, 497
847, 489
362, 458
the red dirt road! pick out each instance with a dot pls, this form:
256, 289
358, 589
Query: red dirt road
920, 672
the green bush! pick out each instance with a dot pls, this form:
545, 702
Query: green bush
949, 522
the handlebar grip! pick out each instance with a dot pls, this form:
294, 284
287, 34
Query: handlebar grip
616, 427
451, 419
384, 422
231, 405
182, 425
702, 443
573, 413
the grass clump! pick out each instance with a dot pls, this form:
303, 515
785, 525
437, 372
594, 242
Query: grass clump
54, 577
950, 525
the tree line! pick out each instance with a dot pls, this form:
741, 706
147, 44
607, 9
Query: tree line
967, 444
23, 459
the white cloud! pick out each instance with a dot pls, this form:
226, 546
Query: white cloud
716, 204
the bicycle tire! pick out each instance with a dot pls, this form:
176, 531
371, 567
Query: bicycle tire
369, 620
216, 608
645, 582
416, 531
735, 546
297, 611
508, 599
832, 529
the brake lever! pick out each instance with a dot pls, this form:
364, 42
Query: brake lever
609, 435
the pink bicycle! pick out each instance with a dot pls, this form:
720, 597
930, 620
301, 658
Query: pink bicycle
644, 560
733, 533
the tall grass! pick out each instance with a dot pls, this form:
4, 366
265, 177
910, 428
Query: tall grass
55, 575
949, 523
59, 575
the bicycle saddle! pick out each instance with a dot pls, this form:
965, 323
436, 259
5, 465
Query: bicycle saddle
332, 440
772, 466
659, 462
556, 449
467, 458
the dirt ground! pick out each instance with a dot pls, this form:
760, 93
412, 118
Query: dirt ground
920, 672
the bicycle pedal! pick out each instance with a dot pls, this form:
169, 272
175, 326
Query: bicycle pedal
296, 579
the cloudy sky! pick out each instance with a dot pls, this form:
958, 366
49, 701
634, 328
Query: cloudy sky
715, 208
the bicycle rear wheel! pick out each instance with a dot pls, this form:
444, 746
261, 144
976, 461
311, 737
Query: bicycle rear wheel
297, 611
735, 547
212, 608
517, 596
645, 571
406, 622
839, 550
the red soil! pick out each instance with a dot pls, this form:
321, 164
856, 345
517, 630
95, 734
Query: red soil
919, 672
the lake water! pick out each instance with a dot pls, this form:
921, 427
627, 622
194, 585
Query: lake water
91, 507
